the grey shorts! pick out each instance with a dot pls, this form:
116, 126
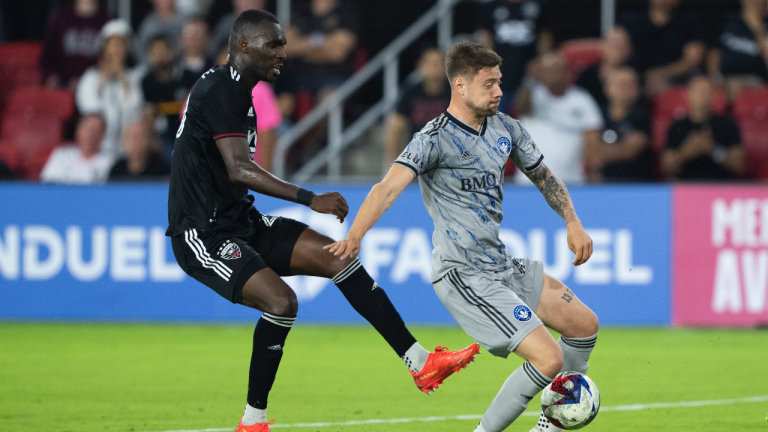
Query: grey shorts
498, 310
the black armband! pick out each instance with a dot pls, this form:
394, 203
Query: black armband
304, 197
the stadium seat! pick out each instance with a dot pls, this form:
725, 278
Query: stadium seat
28, 136
9, 155
672, 105
751, 111
19, 67
581, 53
38, 101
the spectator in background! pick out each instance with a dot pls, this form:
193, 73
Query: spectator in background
71, 42
141, 162
561, 118
194, 43
704, 145
616, 51
165, 88
112, 88
623, 154
321, 40
81, 163
743, 55
667, 45
418, 104
224, 26
268, 118
163, 19
517, 31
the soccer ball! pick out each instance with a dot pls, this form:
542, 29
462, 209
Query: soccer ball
571, 401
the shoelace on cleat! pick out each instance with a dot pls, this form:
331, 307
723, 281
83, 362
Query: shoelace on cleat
440, 349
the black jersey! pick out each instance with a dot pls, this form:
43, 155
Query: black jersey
201, 196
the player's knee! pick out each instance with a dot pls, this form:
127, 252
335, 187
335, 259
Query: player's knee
550, 362
588, 326
285, 306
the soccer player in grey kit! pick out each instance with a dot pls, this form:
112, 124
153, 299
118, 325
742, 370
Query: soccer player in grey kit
500, 301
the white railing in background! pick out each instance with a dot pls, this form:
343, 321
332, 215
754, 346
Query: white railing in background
607, 16
332, 107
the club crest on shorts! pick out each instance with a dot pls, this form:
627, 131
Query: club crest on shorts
523, 313
504, 146
230, 251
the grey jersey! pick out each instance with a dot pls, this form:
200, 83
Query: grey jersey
461, 173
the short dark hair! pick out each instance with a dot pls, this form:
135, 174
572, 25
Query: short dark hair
250, 18
162, 37
467, 58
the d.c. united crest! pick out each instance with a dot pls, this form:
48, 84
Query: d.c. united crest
229, 251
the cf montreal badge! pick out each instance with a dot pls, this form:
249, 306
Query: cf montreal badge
522, 313
504, 145
229, 251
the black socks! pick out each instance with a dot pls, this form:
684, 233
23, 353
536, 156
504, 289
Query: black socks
268, 341
372, 303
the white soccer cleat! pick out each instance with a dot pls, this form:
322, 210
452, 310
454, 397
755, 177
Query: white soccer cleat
545, 426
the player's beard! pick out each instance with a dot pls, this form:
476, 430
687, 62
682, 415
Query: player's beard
483, 111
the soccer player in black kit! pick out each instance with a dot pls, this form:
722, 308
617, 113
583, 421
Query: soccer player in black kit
220, 239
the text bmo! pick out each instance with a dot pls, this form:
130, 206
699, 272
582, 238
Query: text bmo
478, 183
125, 253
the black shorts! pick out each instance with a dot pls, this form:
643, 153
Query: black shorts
225, 260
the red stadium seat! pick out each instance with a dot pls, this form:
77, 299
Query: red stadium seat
19, 67
29, 136
751, 111
9, 155
672, 105
38, 101
581, 53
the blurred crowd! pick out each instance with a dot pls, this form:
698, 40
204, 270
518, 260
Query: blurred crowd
98, 100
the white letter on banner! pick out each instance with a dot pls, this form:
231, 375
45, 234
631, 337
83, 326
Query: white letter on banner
537, 240
128, 253
514, 242
414, 256
596, 270
755, 269
372, 252
749, 222
78, 268
727, 293
10, 245
159, 269
724, 218
36, 236
626, 272
764, 222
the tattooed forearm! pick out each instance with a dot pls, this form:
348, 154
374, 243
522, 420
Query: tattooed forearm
554, 192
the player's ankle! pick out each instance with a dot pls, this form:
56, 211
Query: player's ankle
416, 358
254, 415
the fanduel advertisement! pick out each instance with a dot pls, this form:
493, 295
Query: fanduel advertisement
99, 253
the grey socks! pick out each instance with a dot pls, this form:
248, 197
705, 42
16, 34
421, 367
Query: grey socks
524, 383
576, 353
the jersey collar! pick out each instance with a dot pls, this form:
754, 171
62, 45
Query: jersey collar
467, 127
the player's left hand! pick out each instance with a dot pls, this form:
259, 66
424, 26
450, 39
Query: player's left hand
579, 242
330, 203
349, 247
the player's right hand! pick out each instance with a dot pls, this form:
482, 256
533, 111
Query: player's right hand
349, 247
330, 203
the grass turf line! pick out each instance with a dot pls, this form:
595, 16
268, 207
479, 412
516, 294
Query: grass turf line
129, 377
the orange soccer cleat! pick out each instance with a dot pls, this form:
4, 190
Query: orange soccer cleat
258, 427
441, 364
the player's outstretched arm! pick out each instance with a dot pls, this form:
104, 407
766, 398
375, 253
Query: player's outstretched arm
242, 170
559, 199
379, 200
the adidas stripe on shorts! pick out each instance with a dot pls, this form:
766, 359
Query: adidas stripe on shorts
224, 260
496, 309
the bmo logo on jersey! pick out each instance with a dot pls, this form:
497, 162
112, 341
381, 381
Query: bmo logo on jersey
479, 183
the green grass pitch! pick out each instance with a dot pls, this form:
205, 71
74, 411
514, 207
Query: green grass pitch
158, 377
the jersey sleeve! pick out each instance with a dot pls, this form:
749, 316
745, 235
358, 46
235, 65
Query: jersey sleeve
524, 153
420, 155
222, 111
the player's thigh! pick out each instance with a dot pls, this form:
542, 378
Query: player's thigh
487, 310
541, 349
310, 259
267, 292
562, 311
